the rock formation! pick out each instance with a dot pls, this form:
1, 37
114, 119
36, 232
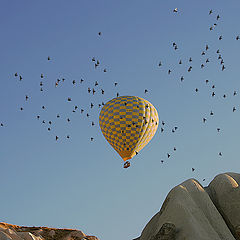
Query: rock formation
14, 232
193, 212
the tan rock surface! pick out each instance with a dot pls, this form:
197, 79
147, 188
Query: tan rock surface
14, 232
224, 191
189, 207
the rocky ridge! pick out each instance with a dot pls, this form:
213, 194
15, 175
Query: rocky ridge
14, 232
191, 211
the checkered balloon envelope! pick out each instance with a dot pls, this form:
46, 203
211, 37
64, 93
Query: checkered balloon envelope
128, 123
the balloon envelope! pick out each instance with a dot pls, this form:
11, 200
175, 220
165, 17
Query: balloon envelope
128, 123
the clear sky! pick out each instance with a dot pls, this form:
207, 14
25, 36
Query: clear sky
76, 183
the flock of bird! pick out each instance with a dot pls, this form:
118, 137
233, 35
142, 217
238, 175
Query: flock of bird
95, 88
190, 67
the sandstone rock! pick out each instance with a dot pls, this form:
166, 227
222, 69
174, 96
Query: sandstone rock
224, 191
166, 232
4, 236
14, 232
190, 209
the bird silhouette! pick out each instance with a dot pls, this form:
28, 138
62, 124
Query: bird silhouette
218, 17
220, 37
204, 120
145, 91
180, 62
210, 12
182, 78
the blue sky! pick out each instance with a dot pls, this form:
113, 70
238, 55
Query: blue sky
76, 183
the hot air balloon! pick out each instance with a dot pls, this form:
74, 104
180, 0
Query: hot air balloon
128, 123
